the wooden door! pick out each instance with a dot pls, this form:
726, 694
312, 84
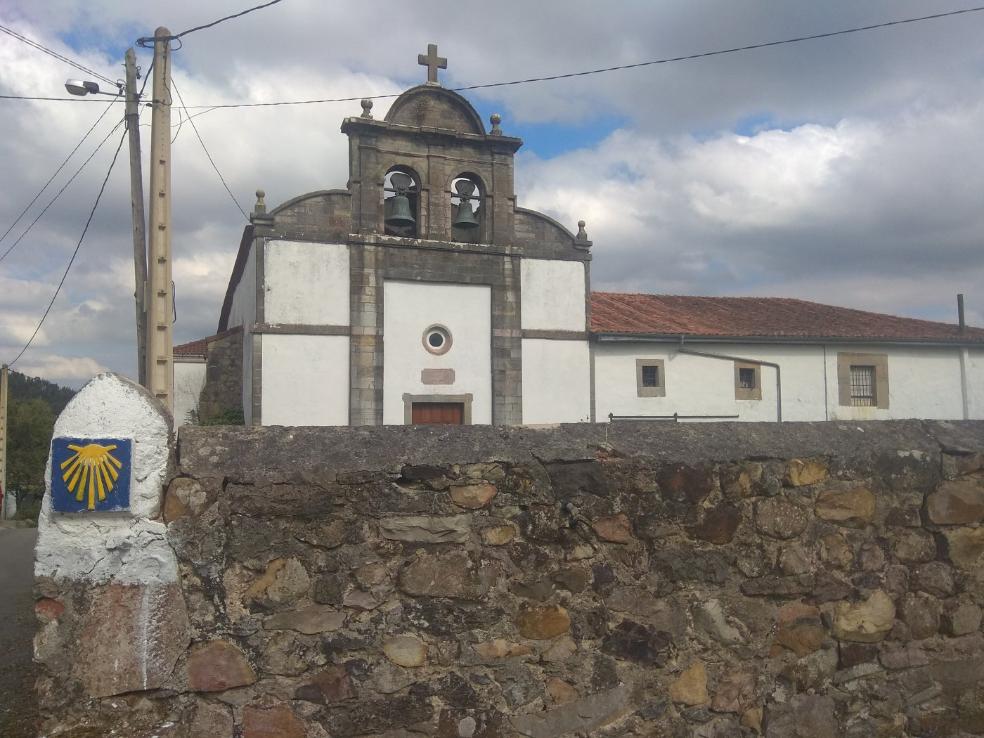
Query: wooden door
438, 413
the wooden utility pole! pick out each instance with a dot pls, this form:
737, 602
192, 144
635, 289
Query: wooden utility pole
137, 212
159, 294
4, 378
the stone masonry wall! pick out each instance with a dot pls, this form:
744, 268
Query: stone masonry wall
795, 581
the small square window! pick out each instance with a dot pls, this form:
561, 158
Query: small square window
650, 378
748, 381
862, 380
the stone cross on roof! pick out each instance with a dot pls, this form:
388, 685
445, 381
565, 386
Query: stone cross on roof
433, 62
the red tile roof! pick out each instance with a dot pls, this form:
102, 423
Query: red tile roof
199, 346
760, 317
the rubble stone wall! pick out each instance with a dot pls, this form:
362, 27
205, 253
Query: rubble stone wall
796, 581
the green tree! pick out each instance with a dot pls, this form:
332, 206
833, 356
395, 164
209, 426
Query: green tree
33, 405
29, 424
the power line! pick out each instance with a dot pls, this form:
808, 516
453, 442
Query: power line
55, 54
547, 78
149, 40
52, 177
71, 261
205, 149
55, 99
58, 194
603, 70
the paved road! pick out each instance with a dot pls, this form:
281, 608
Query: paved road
18, 707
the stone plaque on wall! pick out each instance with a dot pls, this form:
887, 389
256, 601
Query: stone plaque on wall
437, 376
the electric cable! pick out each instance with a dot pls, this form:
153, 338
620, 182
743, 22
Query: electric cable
59, 193
149, 40
205, 149
52, 177
547, 78
603, 70
56, 55
71, 261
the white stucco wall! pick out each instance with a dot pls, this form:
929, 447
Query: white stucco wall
553, 295
923, 382
306, 283
189, 378
243, 309
305, 380
975, 382
409, 308
556, 381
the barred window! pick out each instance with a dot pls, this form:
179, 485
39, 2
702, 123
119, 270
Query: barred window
746, 378
650, 376
862, 385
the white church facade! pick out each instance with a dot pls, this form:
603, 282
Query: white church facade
423, 293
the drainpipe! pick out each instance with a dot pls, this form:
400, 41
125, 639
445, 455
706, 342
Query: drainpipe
759, 362
964, 359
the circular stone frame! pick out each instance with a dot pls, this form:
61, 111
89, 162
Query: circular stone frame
445, 335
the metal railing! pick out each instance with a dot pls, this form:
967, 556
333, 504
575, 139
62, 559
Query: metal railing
675, 417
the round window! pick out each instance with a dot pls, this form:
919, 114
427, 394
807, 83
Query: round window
437, 339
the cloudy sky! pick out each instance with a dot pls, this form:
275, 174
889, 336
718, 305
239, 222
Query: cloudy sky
847, 170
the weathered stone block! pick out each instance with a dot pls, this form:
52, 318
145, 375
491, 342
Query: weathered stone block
690, 688
445, 575
921, 613
718, 524
581, 716
957, 502
799, 628
405, 650
637, 642
777, 518
965, 548
217, 666
473, 496
542, 622
803, 472
271, 722
421, 529
310, 620
866, 621
614, 529
116, 616
803, 716
853, 507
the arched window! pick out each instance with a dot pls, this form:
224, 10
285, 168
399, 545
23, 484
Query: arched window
401, 203
467, 212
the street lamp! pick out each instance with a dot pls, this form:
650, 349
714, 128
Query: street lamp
83, 88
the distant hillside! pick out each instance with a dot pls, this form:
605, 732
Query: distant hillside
23, 387
33, 405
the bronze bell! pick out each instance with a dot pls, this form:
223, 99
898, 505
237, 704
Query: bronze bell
465, 217
399, 214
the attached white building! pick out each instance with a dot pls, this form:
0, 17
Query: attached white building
423, 293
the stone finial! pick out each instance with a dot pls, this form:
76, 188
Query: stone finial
260, 207
582, 235
496, 119
366, 108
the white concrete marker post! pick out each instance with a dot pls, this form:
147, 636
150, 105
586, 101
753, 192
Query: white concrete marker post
113, 618
127, 546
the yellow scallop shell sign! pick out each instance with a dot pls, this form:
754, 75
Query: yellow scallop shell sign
90, 475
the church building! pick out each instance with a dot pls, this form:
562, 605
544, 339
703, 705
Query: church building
423, 293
